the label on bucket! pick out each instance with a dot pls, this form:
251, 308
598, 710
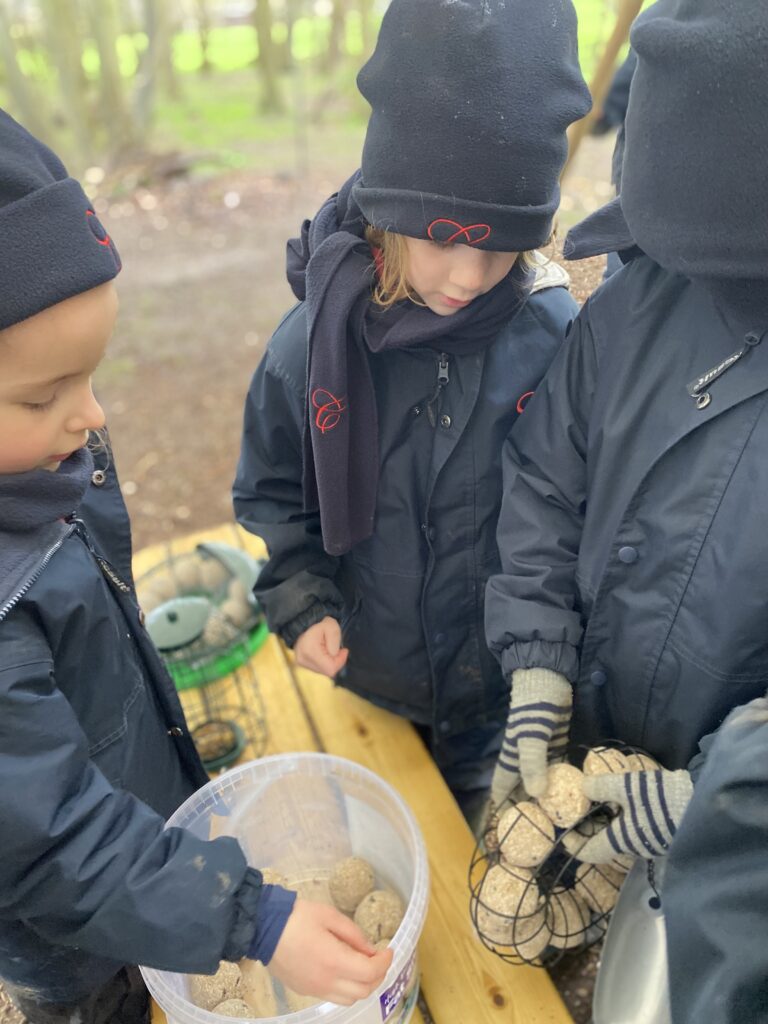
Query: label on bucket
389, 999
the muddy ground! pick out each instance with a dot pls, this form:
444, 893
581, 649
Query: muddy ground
202, 288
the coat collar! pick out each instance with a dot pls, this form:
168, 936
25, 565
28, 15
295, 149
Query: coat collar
731, 365
601, 232
683, 337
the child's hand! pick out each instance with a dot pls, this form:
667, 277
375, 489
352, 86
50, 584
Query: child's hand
652, 806
319, 648
322, 953
536, 733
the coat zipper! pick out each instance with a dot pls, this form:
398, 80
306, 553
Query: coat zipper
442, 380
106, 568
9, 605
76, 526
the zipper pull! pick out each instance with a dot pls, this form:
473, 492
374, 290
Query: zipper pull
81, 530
442, 370
442, 380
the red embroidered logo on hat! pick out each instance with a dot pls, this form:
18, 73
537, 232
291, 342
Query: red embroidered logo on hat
446, 231
97, 228
329, 409
102, 237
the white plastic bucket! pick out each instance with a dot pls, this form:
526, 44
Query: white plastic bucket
299, 814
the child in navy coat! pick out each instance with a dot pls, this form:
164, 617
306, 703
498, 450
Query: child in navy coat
631, 605
373, 427
94, 750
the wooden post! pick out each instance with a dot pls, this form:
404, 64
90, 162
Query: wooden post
628, 11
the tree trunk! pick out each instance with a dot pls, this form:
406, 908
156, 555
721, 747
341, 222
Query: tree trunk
121, 130
292, 10
156, 67
166, 30
204, 30
366, 27
271, 97
64, 41
146, 76
336, 39
26, 104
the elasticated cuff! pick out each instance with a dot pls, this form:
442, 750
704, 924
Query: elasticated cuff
275, 908
247, 900
316, 612
541, 654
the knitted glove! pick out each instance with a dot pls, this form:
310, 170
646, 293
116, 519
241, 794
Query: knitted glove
652, 806
537, 731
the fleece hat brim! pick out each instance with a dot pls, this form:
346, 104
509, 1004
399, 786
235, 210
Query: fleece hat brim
52, 243
451, 219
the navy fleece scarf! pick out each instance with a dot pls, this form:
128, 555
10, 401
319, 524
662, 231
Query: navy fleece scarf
34, 507
331, 268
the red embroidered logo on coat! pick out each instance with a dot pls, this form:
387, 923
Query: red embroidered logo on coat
329, 409
446, 231
523, 400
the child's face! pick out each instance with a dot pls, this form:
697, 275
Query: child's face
47, 406
449, 277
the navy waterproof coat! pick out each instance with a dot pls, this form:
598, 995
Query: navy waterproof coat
410, 597
94, 756
633, 531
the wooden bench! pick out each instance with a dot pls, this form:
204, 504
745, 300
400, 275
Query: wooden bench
461, 981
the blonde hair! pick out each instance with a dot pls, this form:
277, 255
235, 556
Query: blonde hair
98, 441
392, 284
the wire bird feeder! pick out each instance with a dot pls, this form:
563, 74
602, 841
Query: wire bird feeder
206, 624
531, 899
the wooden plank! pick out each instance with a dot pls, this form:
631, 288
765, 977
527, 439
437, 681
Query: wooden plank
461, 979
288, 727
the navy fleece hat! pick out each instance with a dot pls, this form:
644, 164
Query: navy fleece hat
470, 102
695, 181
52, 244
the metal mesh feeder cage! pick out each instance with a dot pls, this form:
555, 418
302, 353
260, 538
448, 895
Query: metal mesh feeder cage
204, 620
532, 900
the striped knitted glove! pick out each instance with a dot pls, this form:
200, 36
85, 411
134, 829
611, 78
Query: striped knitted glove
537, 731
652, 806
